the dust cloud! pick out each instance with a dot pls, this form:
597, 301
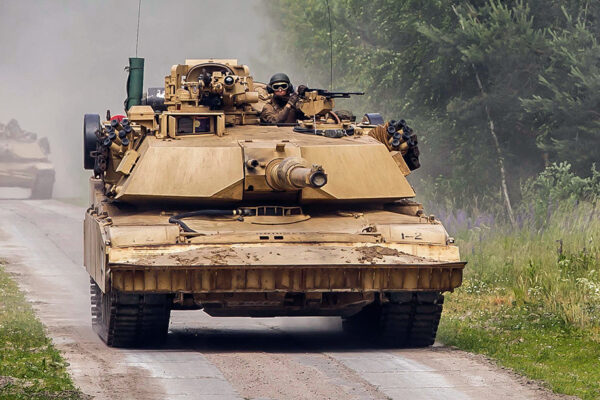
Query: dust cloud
62, 59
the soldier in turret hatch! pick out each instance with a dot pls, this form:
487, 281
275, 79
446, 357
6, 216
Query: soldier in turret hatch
282, 106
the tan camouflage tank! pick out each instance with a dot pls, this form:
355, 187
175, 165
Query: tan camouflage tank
24, 161
194, 204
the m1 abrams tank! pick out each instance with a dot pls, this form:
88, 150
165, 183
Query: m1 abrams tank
24, 161
196, 205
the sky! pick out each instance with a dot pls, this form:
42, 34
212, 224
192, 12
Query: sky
61, 59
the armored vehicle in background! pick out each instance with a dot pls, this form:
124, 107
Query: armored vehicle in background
196, 205
24, 161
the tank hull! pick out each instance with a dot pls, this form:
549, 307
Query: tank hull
39, 177
331, 263
24, 163
388, 291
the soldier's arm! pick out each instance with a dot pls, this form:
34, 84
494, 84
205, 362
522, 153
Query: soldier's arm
270, 116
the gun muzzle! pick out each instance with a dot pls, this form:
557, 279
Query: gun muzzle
252, 163
294, 173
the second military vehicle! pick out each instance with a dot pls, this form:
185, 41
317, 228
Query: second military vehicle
194, 204
24, 161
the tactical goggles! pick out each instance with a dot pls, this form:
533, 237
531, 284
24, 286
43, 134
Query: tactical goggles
280, 86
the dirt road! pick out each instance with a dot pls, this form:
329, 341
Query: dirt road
223, 358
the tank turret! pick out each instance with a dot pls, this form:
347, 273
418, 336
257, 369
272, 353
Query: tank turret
209, 123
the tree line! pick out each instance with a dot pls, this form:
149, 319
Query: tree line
497, 90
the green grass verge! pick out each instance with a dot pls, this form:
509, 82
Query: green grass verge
525, 339
531, 300
30, 366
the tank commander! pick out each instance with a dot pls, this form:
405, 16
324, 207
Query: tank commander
282, 106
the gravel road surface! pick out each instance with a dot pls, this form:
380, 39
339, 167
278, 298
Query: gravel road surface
223, 358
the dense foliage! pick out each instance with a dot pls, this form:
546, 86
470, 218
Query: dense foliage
537, 62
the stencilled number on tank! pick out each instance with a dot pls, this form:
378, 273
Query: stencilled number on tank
416, 236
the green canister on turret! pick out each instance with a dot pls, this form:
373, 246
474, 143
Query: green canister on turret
135, 82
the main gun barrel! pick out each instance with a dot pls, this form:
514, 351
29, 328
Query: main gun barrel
294, 173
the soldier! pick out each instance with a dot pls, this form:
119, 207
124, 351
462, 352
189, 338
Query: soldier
282, 106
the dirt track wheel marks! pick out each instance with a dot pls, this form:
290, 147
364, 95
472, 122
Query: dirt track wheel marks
129, 320
408, 320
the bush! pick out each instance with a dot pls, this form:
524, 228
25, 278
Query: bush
557, 187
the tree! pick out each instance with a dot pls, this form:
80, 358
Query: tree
500, 49
459, 71
567, 109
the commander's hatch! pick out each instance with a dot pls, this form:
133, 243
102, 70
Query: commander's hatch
176, 124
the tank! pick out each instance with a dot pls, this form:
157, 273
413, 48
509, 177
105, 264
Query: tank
24, 161
194, 204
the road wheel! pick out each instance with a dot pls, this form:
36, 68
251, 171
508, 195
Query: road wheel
407, 320
130, 320
43, 184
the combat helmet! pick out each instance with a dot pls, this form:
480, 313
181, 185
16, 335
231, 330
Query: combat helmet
280, 77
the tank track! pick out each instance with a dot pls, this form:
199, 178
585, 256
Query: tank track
407, 320
42, 185
130, 320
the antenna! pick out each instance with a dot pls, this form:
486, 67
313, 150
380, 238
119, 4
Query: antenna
137, 37
330, 48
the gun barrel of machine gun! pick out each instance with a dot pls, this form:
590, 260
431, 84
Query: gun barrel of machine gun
335, 95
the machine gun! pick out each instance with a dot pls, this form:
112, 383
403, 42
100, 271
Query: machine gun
316, 102
329, 95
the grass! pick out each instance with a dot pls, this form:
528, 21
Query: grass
531, 299
30, 366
